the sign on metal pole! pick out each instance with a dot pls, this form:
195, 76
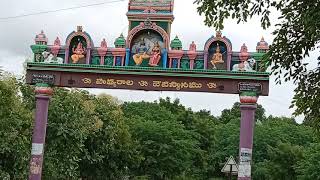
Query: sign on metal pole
230, 167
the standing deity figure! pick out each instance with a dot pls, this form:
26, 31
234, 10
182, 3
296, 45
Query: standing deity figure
78, 53
57, 42
104, 43
155, 55
217, 58
141, 53
193, 47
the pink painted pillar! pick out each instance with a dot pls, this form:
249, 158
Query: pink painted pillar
175, 54
101, 60
43, 94
206, 60
248, 108
170, 62
88, 56
66, 57
122, 61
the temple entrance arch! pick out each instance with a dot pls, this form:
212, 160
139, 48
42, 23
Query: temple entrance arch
139, 62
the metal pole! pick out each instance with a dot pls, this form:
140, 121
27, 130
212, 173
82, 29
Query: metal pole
230, 173
43, 94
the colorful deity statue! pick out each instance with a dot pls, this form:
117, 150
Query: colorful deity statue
248, 65
155, 55
57, 42
141, 53
104, 43
217, 57
193, 47
78, 53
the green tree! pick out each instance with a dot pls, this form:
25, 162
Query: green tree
281, 163
296, 35
70, 121
200, 127
278, 147
309, 167
167, 148
86, 137
226, 145
15, 131
275, 130
110, 152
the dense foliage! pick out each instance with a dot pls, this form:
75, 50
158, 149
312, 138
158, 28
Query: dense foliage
297, 34
97, 137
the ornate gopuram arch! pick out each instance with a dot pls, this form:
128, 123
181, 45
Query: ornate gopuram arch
140, 62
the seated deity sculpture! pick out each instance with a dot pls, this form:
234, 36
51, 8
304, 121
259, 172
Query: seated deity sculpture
141, 53
217, 58
155, 55
78, 53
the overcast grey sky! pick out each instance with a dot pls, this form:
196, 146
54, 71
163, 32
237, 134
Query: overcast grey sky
109, 21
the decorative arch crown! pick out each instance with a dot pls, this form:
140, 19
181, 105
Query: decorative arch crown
218, 37
81, 33
147, 25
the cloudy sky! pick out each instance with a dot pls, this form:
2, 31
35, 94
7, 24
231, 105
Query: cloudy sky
109, 21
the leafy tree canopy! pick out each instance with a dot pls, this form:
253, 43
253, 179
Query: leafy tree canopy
296, 35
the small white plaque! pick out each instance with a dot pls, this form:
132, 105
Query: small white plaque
245, 162
37, 149
245, 156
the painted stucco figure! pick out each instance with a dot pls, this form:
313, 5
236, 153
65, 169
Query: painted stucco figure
104, 43
57, 42
193, 47
245, 66
155, 55
50, 58
217, 58
244, 55
78, 53
141, 53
